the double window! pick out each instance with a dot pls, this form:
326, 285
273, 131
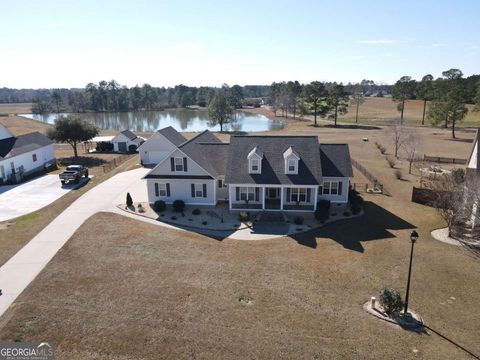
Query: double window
332, 188
247, 193
298, 195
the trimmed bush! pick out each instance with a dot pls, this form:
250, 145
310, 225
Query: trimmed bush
196, 211
244, 216
356, 201
204, 223
323, 210
178, 205
159, 206
346, 213
391, 301
355, 208
398, 174
324, 204
129, 200
298, 220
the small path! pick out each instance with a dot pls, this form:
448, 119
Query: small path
21, 199
442, 235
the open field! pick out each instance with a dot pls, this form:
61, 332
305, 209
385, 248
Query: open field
16, 108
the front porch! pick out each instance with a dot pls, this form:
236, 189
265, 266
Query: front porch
273, 197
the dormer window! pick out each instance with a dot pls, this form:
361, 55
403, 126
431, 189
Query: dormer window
291, 161
255, 161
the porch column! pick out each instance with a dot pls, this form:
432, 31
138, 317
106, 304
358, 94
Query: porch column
281, 198
263, 197
315, 199
230, 197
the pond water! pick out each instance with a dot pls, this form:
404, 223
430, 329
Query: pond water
180, 119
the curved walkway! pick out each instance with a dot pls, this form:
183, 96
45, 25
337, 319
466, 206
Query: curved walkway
17, 273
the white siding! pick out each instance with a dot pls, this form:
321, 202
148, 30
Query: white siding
44, 155
155, 149
164, 168
182, 190
122, 138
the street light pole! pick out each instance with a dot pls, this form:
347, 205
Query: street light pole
413, 239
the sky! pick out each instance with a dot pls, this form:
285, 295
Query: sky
63, 43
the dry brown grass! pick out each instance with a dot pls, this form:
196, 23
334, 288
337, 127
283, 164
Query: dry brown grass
14, 234
125, 289
20, 108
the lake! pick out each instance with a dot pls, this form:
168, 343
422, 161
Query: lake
180, 119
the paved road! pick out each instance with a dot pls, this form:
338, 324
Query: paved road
22, 199
17, 273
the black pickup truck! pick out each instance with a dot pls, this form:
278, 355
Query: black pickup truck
73, 173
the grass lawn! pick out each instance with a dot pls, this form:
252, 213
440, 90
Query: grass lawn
16, 108
125, 289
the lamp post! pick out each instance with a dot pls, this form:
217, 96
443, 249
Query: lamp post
413, 239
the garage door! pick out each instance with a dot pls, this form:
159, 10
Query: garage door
122, 146
154, 157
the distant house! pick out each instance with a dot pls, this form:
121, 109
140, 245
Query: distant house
126, 141
23, 155
159, 145
473, 177
286, 173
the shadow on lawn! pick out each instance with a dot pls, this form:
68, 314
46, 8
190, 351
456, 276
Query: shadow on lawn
350, 233
452, 342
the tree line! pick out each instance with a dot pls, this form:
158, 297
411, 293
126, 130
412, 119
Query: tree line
444, 98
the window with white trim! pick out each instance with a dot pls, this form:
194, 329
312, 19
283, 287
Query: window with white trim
162, 189
333, 188
247, 193
198, 190
178, 164
254, 166
326, 187
298, 195
292, 165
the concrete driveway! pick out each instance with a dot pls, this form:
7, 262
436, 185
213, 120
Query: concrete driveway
26, 264
22, 199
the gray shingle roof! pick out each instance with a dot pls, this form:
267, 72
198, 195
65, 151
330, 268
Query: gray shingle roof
172, 135
208, 151
130, 135
335, 160
273, 163
22, 144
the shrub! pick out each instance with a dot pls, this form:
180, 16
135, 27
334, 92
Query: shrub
129, 200
173, 218
298, 220
398, 174
356, 201
244, 216
391, 301
324, 204
196, 211
346, 213
391, 162
178, 205
458, 175
383, 149
159, 206
140, 208
204, 223
355, 208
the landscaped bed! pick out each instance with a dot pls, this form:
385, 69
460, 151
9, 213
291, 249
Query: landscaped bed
220, 218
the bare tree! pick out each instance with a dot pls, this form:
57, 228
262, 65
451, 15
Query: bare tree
410, 148
398, 136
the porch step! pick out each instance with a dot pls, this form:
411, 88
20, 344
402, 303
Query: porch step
272, 216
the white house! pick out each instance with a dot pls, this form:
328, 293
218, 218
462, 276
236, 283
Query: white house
159, 145
126, 141
284, 173
473, 179
23, 155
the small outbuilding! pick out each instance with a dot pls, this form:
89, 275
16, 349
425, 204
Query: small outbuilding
126, 141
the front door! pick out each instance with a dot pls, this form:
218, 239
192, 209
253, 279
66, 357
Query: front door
273, 193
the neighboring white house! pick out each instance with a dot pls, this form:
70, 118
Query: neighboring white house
285, 173
473, 178
126, 141
23, 155
159, 145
